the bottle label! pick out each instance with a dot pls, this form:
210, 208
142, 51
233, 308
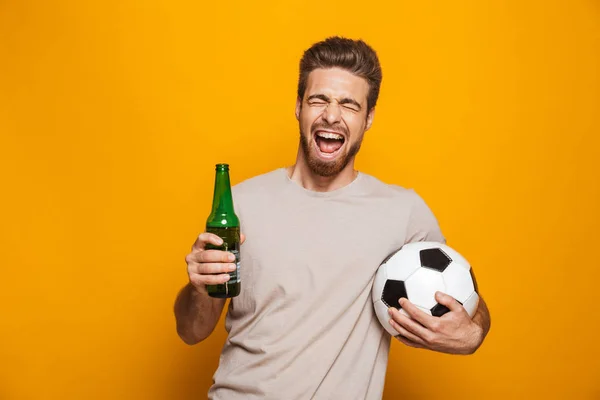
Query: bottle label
234, 277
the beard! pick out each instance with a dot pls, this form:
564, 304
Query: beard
327, 168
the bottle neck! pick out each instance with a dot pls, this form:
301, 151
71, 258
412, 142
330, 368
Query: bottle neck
222, 199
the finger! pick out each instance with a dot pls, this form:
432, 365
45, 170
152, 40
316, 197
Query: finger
409, 342
211, 268
415, 313
212, 256
204, 238
449, 301
410, 325
406, 334
242, 238
199, 280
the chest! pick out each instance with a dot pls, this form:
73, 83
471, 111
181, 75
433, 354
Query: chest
295, 248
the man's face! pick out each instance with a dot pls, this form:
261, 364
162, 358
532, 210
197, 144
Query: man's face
333, 118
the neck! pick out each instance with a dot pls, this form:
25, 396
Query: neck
305, 177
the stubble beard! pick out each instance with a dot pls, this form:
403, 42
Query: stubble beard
326, 168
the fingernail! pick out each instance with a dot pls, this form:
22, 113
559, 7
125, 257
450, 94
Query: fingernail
232, 267
231, 257
390, 311
219, 241
401, 301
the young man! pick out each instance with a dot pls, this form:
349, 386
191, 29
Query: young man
303, 326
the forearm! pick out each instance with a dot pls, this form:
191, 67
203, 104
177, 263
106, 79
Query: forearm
196, 314
482, 319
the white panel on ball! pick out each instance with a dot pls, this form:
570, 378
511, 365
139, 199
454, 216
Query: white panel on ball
471, 304
378, 284
384, 318
458, 282
402, 265
422, 285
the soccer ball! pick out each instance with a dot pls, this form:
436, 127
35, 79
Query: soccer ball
416, 272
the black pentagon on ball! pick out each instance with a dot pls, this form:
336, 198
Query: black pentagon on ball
439, 309
434, 259
392, 291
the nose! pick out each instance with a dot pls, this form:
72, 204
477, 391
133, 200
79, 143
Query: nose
332, 113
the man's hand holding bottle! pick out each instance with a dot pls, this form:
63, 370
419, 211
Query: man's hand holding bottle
209, 267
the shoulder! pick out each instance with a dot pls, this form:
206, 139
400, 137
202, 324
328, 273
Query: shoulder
397, 193
421, 223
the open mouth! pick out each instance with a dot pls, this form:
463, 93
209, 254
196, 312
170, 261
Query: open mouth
328, 143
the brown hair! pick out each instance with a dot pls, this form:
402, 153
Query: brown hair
354, 56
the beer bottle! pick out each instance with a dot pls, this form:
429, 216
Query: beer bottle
223, 222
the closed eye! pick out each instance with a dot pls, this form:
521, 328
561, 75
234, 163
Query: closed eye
317, 99
350, 104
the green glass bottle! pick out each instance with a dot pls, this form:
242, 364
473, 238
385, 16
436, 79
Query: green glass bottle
223, 222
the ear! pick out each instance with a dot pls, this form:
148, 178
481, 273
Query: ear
370, 117
298, 107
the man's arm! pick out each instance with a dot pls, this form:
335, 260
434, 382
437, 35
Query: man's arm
197, 314
454, 332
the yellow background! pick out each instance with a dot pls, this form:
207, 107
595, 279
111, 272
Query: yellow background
113, 114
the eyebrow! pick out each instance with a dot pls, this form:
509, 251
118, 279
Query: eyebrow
345, 100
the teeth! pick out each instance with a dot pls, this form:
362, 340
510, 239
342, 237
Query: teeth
330, 135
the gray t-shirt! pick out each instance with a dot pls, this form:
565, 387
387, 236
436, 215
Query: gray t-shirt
303, 326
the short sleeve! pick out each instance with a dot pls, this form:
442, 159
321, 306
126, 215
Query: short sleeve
422, 223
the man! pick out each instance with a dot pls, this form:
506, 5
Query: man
303, 326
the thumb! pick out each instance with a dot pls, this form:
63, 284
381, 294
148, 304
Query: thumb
242, 238
448, 301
